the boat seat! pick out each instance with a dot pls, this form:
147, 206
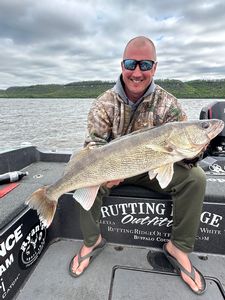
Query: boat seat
128, 190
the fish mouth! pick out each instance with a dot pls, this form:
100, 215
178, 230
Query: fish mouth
216, 129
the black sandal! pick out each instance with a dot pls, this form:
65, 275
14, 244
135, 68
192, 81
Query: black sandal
179, 268
94, 253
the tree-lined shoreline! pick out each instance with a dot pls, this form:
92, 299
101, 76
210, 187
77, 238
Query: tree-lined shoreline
92, 89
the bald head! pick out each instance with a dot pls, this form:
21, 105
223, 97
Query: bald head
140, 42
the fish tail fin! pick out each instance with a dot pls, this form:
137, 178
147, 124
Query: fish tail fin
44, 205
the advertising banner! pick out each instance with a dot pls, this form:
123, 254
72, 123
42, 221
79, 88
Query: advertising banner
21, 244
148, 222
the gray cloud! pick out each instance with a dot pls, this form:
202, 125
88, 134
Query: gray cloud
62, 41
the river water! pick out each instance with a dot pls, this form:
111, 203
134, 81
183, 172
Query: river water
56, 124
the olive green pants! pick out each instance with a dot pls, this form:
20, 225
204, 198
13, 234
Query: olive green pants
187, 190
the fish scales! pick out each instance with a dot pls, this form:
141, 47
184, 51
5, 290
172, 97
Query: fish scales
109, 163
119, 159
152, 150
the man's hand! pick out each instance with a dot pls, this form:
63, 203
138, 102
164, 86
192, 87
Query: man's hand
112, 183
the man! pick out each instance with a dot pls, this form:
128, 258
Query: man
134, 103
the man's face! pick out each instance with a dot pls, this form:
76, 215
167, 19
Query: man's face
137, 81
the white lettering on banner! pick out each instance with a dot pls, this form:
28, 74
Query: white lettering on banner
10, 241
107, 222
140, 208
2, 285
211, 219
156, 221
120, 230
202, 238
161, 214
7, 290
7, 264
144, 238
32, 245
210, 231
159, 239
29, 237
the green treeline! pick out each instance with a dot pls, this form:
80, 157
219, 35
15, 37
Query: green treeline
91, 89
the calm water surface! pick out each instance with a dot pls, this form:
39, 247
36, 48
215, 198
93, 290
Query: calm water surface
55, 124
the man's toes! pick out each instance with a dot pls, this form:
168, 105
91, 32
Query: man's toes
82, 266
198, 281
78, 271
193, 285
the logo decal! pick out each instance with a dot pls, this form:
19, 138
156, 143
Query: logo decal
32, 246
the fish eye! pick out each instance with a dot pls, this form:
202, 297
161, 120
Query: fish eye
205, 125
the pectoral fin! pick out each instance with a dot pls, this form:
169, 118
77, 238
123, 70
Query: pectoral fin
190, 150
164, 175
86, 196
173, 149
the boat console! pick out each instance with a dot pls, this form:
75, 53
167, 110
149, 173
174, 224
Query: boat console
215, 110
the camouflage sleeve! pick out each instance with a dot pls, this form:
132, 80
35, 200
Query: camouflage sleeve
98, 126
175, 113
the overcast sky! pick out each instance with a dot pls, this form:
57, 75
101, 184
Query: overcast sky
62, 41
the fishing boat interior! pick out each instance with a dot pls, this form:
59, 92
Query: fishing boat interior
136, 222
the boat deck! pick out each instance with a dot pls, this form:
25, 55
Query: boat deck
40, 173
118, 273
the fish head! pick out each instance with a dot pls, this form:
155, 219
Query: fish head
189, 138
201, 132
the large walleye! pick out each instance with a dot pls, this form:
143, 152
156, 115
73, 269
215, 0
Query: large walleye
152, 150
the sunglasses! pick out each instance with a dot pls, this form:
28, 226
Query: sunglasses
144, 65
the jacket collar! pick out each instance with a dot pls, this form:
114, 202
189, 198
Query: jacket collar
119, 89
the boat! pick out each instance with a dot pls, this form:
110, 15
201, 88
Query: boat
136, 222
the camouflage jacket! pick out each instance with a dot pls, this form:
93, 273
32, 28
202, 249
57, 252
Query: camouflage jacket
112, 116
